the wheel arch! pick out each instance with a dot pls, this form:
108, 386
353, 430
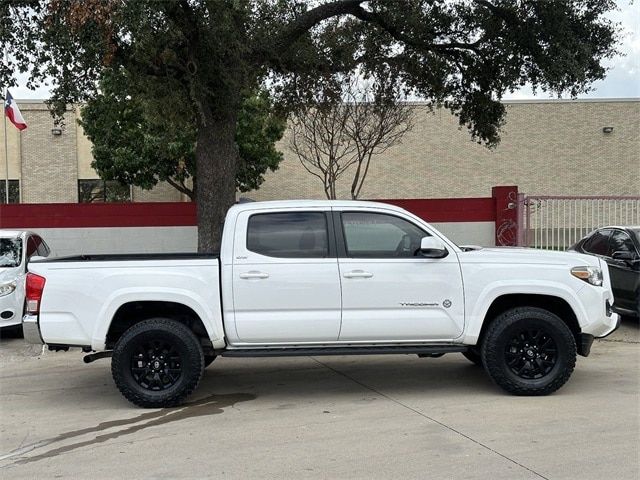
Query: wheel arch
554, 304
133, 312
179, 303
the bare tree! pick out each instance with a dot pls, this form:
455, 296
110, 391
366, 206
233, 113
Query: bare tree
338, 136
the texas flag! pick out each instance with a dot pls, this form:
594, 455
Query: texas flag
12, 112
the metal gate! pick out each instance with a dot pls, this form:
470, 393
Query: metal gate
557, 222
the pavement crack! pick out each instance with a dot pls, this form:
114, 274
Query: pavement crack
431, 419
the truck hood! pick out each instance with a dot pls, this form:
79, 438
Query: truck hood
520, 255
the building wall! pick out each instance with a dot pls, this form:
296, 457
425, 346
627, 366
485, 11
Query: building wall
49, 166
49, 162
554, 147
551, 147
13, 145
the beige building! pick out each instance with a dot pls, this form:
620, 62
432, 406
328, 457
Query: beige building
548, 147
51, 164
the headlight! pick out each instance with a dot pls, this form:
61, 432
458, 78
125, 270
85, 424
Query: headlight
592, 275
7, 288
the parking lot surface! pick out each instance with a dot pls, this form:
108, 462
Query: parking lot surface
323, 417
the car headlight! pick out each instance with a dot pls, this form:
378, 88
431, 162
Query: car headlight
7, 288
592, 275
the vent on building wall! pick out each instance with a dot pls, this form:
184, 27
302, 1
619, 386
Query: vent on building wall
607, 129
56, 131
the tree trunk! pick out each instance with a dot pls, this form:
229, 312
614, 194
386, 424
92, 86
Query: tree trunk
216, 165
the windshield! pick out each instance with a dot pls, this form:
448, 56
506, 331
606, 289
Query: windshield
636, 233
10, 252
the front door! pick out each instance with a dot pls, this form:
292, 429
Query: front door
286, 287
625, 276
390, 292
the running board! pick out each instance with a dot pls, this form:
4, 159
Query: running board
346, 350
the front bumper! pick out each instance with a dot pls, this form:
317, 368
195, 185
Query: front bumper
9, 311
31, 330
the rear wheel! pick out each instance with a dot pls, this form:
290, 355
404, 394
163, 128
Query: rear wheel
157, 363
529, 351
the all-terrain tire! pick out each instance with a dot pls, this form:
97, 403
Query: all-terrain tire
473, 355
529, 351
157, 363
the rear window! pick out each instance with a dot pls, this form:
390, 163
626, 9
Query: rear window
288, 235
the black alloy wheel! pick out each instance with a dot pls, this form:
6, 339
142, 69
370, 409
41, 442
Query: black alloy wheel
529, 351
157, 363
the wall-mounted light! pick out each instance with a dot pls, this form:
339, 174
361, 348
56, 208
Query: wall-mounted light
56, 131
607, 129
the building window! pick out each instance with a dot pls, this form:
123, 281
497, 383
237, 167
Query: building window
14, 191
99, 191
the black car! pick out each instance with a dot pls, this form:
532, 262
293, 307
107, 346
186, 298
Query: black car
620, 248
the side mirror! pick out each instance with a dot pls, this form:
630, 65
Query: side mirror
624, 255
431, 247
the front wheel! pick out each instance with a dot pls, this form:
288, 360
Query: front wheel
157, 363
529, 351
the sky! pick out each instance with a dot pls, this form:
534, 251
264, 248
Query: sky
622, 80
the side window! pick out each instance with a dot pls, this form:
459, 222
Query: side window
378, 235
598, 243
621, 242
288, 235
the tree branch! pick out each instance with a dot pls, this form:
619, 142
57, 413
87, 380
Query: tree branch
311, 18
381, 21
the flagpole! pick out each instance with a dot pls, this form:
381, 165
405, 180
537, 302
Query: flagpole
6, 141
6, 154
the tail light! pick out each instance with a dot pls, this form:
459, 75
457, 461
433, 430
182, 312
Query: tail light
34, 288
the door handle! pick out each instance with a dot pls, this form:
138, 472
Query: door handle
254, 274
358, 274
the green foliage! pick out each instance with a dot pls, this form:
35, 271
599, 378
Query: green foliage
199, 58
467, 53
139, 141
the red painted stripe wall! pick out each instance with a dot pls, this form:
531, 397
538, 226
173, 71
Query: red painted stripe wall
157, 214
86, 215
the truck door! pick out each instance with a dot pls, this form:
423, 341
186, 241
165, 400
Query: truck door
286, 286
390, 292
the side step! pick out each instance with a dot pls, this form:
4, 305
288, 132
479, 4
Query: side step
426, 350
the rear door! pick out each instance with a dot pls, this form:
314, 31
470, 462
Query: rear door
286, 286
390, 292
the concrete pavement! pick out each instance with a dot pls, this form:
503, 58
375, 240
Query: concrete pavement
323, 417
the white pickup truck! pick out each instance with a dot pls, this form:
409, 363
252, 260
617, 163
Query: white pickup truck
322, 278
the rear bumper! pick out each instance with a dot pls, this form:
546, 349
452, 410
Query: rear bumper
31, 330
